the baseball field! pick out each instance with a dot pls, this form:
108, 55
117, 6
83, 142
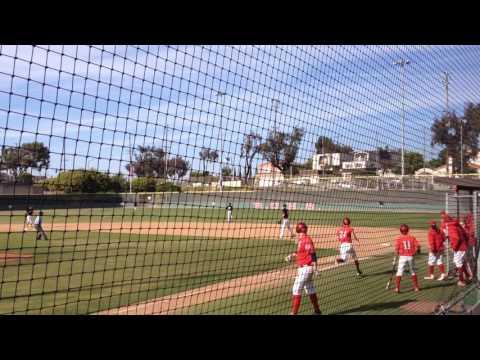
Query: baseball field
190, 261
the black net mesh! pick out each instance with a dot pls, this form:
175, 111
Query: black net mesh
152, 179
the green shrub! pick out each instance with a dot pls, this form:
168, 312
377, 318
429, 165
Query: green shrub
24, 178
144, 184
167, 187
118, 183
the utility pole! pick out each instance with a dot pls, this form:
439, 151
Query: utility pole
446, 83
165, 156
424, 149
461, 146
402, 63
130, 167
221, 95
64, 166
275, 104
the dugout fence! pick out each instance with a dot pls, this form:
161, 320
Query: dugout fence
461, 205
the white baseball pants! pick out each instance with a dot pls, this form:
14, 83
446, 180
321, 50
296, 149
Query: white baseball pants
285, 225
304, 280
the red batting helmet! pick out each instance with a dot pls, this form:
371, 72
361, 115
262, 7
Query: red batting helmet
404, 229
346, 221
301, 228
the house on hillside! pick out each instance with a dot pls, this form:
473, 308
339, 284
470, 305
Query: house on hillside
268, 175
475, 163
439, 171
330, 161
362, 160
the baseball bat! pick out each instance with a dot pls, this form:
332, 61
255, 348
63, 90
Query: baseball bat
391, 275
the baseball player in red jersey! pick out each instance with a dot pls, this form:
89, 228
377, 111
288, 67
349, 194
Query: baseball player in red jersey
469, 226
458, 240
406, 246
306, 260
436, 247
444, 217
344, 235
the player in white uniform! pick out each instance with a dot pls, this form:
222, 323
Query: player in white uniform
28, 218
229, 209
39, 228
285, 223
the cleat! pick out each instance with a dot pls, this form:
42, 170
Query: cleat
430, 277
396, 290
461, 284
416, 289
442, 277
317, 313
359, 274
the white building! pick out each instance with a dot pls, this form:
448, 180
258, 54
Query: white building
475, 163
440, 171
268, 175
362, 160
329, 161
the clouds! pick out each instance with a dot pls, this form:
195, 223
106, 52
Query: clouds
99, 97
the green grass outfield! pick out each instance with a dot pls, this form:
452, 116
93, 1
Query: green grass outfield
340, 292
202, 214
85, 272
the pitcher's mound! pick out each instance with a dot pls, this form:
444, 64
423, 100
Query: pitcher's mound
13, 257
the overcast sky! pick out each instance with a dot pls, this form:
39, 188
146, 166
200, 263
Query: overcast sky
105, 99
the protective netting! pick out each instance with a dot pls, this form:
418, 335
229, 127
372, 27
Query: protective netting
153, 179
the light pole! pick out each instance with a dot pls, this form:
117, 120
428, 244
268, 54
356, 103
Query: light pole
165, 171
220, 95
130, 167
88, 163
402, 64
446, 83
275, 104
461, 146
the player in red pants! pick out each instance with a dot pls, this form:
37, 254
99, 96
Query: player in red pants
306, 260
406, 246
436, 240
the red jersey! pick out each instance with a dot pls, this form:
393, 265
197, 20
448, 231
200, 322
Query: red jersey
305, 250
470, 230
456, 235
406, 245
344, 234
436, 239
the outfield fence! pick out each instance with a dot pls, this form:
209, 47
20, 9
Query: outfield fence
161, 174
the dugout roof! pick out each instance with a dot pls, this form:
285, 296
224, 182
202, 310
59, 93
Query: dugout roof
460, 183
